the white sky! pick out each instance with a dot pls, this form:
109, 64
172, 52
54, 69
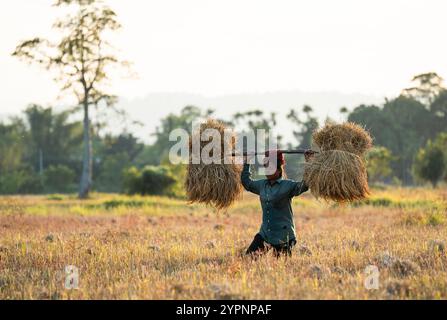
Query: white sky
246, 46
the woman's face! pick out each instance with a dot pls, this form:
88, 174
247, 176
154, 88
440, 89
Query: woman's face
274, 176
272, 167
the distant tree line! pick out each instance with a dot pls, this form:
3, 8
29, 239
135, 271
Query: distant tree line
42, 150
408, 123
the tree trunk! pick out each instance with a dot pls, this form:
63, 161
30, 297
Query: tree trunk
86, 178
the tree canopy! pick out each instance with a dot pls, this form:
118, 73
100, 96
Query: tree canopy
81, 60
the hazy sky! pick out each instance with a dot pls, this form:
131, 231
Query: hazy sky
246, 46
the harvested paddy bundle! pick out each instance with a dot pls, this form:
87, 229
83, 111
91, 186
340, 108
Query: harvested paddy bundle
338, 172
216, 184
337, 175
348, 137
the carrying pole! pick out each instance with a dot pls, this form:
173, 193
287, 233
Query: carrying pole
299, 151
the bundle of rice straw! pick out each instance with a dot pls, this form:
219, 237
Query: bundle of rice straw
338, 172
348, 137
217, 185
337, 175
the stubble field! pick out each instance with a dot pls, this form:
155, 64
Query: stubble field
160, 248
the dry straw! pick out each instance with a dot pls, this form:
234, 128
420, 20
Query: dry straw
338, 172
217, 185
337, 175
348, 137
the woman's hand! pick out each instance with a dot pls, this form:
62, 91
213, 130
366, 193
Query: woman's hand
248, 157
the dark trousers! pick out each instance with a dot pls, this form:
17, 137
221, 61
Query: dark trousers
259, 246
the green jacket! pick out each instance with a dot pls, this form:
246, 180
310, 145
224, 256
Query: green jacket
278, 226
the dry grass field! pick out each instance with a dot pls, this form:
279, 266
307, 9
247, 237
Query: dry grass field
160, 248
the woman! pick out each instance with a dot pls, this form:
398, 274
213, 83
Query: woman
278, 228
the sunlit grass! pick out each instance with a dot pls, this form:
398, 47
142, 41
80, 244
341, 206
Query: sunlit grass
162, 248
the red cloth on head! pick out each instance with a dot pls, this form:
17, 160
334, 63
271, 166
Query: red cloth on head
272, 154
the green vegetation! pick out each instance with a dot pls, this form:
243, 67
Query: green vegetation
431, 218
430, 164
43, 151
149, 181
40, 143
82, 58
59, 179
405, 124
379, 164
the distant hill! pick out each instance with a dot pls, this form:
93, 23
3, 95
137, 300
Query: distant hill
150, 109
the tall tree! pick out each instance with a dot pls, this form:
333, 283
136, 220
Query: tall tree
13, 139
427, 87
439, 110
256, 119
378, 164
441, 143
306, 127
430, 164
155, 154
81, 59
403, 126
123, 143
53, 139
115, 154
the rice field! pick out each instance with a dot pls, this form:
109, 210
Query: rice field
160, 248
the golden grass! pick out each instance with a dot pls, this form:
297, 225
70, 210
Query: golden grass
160, 248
